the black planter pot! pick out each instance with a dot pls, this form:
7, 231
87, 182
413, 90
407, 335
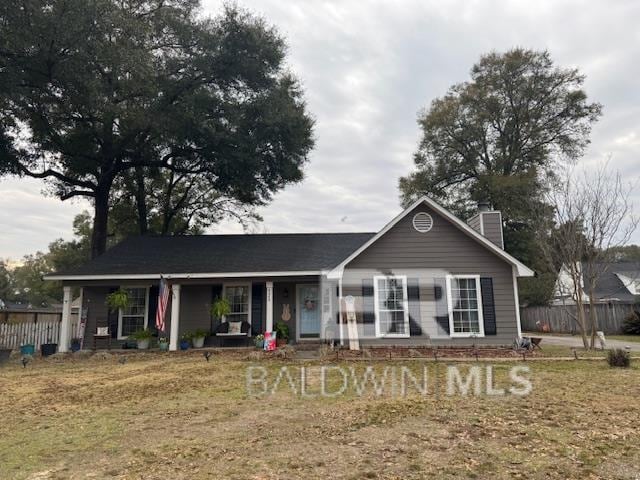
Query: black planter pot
47, 349
4, 355
75, 346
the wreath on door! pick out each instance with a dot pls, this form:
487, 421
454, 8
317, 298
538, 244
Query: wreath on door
309, 304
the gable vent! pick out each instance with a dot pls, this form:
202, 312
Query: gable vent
422, 222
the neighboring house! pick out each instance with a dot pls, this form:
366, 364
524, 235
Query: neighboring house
617, 283
427, 278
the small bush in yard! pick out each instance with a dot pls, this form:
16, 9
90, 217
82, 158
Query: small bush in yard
631, 324
618, 358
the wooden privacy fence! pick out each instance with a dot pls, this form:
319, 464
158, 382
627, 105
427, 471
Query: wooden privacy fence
561, 319
32, 326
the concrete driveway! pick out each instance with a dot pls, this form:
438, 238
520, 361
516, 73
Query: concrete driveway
576, 341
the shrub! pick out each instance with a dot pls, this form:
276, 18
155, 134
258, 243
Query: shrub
631, 324
200, 333
283, 331
619, 358
145, 334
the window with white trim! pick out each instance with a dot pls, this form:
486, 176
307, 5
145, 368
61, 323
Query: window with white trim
391, 306
134, 316
465, 307
239, 301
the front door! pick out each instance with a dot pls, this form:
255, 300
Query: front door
308, 307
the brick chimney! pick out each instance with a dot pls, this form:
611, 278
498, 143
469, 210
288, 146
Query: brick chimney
488, 222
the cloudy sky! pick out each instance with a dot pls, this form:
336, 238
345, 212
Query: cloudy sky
368, 67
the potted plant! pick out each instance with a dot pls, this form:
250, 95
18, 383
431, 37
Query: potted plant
48, 348
258, 341
185, 341
5, 351
142, 338
220, 308
27, 348
76, 344
118, 299
282, 330
163, 344
197, 338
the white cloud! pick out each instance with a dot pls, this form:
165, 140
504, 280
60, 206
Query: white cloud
368, 67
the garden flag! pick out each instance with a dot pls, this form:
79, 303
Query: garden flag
163, 300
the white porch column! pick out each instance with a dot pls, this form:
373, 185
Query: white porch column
175, 317
269, 317
65, 325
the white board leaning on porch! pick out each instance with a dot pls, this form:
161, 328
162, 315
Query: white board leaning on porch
352, 326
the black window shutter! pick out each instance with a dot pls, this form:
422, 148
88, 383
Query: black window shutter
112, 317
368, 310
256, 308
442, 308
488, 306
152, 307
413, 294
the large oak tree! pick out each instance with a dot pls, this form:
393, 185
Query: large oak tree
92, 90
495, 137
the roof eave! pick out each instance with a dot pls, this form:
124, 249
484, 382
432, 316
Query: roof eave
169, 276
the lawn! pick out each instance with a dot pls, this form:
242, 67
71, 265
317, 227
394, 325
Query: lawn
181, 417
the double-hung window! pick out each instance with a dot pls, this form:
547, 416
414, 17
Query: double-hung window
391, 306
239, 301
465, 306
135, 316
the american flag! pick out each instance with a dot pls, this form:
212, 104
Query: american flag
163, 300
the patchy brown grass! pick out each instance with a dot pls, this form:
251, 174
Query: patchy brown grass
179, 417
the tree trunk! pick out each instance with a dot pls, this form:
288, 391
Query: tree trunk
578, 296
141, 201
100, 222
582, 322
593, 318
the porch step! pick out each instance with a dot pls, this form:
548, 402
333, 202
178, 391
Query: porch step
307, 346
307, 354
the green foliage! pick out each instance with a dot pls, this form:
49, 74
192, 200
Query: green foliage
536, 291
200, 333
93, 92
496, 138
145, 334
6, 282
220, 308
628, 253
28, 286
619, 358
282, 329
631, 323
118, 299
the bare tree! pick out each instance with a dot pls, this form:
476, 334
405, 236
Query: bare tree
593, 217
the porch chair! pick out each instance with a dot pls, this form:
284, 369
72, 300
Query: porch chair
102, 333
223, 332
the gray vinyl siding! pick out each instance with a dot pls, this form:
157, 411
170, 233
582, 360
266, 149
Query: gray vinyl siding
427, 256
93, 299
195, 303
492, 223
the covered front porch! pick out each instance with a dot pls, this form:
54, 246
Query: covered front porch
305, 304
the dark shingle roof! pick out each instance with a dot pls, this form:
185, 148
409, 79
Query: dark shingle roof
224, 254
609, 286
